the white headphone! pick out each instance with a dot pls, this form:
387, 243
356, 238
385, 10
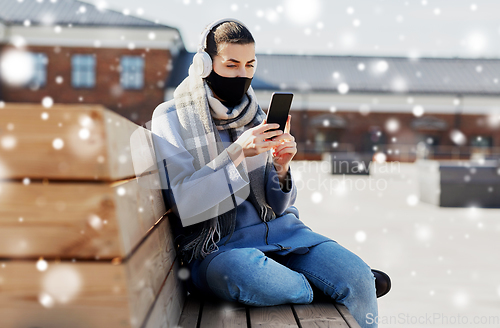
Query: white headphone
202, 63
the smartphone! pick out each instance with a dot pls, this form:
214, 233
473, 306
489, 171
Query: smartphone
279, 109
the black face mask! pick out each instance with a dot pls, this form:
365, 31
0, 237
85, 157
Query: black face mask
230, 89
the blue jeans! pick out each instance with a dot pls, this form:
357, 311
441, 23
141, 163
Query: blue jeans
249, 276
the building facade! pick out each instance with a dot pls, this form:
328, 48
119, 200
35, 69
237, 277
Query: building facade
75, 52
395, 106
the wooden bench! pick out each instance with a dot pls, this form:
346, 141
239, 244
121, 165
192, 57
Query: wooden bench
205, 313
85, 238
459, 183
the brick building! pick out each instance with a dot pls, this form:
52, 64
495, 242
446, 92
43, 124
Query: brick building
81, 53
74, 52
450, 106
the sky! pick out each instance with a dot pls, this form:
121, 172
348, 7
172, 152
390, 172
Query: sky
408, 28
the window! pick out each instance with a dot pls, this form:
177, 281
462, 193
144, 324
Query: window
39, 78
132, 72
83, 71
481, 141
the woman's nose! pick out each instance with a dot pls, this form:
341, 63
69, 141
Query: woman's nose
242, 72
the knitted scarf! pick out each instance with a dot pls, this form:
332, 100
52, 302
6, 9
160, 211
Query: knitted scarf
201, 116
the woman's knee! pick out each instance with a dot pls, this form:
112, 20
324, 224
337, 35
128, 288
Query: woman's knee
235, 262
335, 270
358, 280
235, 269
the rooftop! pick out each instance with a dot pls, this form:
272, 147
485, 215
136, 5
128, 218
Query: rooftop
65, 12
399, 75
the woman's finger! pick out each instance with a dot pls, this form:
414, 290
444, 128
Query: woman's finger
289, 144
285, 136
264, 127
287, 125
271, 134
285, 151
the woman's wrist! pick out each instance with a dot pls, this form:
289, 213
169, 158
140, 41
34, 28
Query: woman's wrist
236, 154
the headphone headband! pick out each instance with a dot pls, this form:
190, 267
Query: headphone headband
202, 62
202, 46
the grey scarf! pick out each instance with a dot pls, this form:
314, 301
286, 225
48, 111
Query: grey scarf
200, 119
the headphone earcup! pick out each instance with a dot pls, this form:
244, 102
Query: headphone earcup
202, 64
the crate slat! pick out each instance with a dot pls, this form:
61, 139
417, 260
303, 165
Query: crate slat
77, 220
76, 141
111, 295
167, 309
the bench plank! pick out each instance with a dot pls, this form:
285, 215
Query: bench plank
190, 312
319, 314
222, 314
272, 316
349, 319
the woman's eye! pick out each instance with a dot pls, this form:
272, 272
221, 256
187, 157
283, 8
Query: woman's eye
231, 65
249, 65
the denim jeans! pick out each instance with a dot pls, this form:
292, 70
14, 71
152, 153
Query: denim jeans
249, 276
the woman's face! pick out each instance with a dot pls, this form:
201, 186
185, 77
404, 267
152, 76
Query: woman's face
235, 60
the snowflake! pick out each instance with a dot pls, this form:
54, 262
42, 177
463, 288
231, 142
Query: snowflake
360, 236
392, 125
316, 197
58, 143
343, 88
41, 265
418, 110
412, 200
47, 102
302, 12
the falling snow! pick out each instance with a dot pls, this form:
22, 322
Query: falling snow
343, 88
47, 102
95, 222
9, 142
458, 137
58, 143
183, 273
360, 236
316, 197
17, 67
412, 200
392, 125
41, 265
418, 110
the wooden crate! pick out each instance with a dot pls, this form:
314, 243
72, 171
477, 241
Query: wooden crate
84, 241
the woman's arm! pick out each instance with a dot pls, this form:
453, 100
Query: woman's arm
196, 192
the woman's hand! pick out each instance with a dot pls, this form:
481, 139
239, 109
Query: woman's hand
285, 151
254, 141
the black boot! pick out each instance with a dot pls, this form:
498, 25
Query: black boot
382, 283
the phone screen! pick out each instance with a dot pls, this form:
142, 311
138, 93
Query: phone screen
279, 108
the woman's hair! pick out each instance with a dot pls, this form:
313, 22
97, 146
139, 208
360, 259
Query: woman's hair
227, 32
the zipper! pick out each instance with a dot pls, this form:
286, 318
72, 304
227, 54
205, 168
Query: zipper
267, 232
283, 248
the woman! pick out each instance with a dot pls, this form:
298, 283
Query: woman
228, 178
